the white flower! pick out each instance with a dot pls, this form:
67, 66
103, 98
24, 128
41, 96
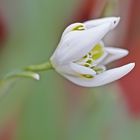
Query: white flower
81, 55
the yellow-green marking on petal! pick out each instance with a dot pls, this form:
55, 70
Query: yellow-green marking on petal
87, 76
87, 65
97, 52
79, 28
98, 70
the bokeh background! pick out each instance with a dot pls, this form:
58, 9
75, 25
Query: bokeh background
53, 108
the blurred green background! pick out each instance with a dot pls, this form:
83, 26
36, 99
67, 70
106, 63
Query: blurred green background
53, 108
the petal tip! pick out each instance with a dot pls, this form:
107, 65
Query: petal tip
115, 22
131, 65
124, 52
118, 18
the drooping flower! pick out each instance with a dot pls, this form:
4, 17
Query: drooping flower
81, 55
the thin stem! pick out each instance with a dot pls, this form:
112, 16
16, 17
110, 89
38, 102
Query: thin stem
22, 74
30, 71
40, 67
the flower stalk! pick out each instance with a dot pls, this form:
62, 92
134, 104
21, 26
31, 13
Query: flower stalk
30, 71
40, 67
22, 74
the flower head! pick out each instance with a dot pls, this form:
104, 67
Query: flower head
81, 55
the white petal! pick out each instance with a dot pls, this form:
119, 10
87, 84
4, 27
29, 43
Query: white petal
96, 22
82, 69
74, 69
114, 54
59, 47
70, 28
103, 78
77, 44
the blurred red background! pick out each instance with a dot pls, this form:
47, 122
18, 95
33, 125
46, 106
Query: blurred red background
131, 41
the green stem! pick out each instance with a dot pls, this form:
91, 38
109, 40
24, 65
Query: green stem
22, 74
30, 71
40, 67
